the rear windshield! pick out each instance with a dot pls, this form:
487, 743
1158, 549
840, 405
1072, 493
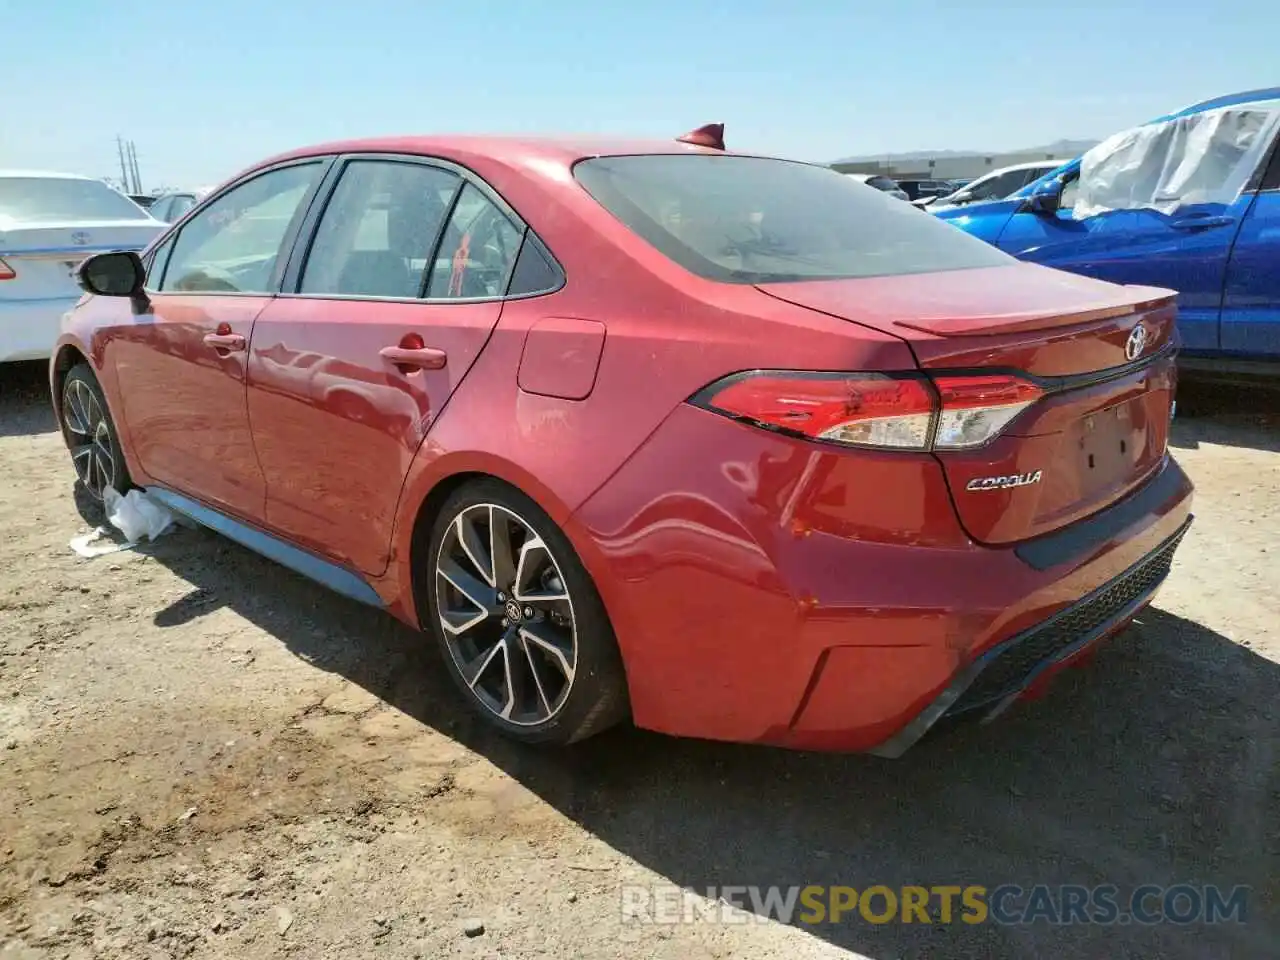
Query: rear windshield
53, 199
751, 220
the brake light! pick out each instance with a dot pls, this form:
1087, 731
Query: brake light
6, 272
888, 411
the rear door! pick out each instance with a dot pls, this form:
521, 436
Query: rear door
386, 309
1251, 302
181, 364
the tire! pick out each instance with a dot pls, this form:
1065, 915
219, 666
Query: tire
540, 664
90, 435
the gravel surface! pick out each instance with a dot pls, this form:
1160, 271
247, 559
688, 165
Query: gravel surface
203, 755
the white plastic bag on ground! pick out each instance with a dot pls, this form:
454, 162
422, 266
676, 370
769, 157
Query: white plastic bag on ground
95, 543
136, 515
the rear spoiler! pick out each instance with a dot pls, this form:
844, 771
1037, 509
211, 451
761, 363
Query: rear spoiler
1148, 300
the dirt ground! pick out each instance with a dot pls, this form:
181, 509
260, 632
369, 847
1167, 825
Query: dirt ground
203, 755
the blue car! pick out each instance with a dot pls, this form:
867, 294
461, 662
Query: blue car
1189, 201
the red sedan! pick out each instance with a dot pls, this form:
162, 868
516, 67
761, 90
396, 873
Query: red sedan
732, 446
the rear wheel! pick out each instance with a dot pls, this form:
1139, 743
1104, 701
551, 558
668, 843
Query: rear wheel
521, 626
91, 435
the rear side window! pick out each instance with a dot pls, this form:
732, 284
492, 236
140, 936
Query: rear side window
54, 199
752, 220
378, 230
477, 251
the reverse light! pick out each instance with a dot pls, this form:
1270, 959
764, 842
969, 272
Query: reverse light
886, 411
975, 409
6, 272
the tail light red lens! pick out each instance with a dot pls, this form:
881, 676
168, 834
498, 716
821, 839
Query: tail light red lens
6, 272
888, 411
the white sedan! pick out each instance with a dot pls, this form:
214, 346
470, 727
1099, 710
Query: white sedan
49, 223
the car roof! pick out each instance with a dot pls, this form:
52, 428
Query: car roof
44, 174
1034, 164
516, 151
1227, 100
1050, 164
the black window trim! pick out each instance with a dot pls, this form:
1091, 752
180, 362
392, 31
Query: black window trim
291, 277
287, 242
1266, 177
531, 239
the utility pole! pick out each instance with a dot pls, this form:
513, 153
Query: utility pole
137, 174
124, 173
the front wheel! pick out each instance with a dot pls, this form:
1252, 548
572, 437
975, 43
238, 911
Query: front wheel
521, 626
90, 434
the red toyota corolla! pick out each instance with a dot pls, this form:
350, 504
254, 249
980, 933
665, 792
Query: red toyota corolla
733, 446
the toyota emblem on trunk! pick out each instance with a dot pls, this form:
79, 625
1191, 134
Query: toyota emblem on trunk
1136, 343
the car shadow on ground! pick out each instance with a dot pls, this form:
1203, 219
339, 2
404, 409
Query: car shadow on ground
1226, 415
24, 399
1154, 764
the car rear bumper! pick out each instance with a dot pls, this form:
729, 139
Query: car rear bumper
767, 591
30, 328
1014, 666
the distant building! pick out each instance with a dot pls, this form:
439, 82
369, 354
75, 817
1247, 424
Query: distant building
955, 164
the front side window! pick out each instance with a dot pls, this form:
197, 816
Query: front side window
997, 187
752, 220
160, 209
157, 263
233, 244
1204, 158
179, 207
378, 230
477, 251
63, 199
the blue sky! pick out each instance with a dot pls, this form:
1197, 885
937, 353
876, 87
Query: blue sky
205, 89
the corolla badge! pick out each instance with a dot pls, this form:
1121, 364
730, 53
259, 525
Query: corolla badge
1136, 343
79, 238
1004, 483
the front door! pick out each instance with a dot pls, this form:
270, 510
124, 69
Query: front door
1251, 303
182, 364
349, 370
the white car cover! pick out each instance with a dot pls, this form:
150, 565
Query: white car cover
1203, 158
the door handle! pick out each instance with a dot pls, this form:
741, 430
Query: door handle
423, 358
225, 341
1202, 223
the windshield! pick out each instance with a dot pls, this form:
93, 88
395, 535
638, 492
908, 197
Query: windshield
54, 199
751, 220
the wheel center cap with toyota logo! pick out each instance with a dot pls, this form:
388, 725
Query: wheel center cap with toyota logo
1136, 343
513, 611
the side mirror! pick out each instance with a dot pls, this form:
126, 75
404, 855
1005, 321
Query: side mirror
963, 196
115, 274
1046, 198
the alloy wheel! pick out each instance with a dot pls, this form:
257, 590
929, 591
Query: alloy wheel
88, 437
507, 616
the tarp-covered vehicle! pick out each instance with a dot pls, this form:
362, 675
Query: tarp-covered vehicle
1190, 201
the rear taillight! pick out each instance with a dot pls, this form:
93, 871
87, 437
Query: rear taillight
888, 411
6, 272
972, 410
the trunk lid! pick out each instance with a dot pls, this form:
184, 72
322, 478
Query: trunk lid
44, 257
1100, 429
